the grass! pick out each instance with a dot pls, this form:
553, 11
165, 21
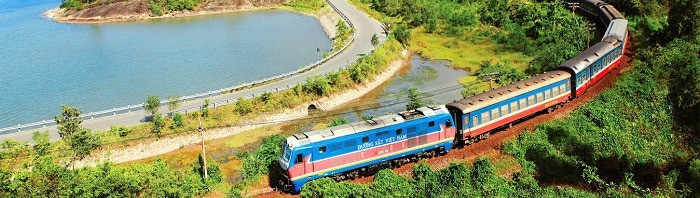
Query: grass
466, 53
305, 6
365, 7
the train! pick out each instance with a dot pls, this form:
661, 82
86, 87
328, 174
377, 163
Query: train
363, 148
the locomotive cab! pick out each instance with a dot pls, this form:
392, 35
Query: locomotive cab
292, 164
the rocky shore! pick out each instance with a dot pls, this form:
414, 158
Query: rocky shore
135, 10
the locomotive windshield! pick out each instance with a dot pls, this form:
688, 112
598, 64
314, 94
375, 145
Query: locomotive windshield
286, 154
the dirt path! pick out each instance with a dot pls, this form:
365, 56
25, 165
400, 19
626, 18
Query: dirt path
493, 143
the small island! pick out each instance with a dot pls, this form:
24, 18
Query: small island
101, 11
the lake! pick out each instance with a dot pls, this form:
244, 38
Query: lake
44, 64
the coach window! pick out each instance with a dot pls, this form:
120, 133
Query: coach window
555, 90
365, 139
378, 134
385, 132
504, 110
299, 159
431, 124
475, 120
522, 103
399, 131
539, 97
494, 114
485, 117
322, 149
530, 101
513, 107
562, 88
578, 80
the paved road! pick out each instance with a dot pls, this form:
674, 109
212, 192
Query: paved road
365, 28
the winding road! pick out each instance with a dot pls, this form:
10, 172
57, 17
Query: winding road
365, 28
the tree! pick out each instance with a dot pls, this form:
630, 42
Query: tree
158, 124
84, 142
482, 173
402, 34
683, 19
470, 89
178, 121
414, 100
152, 104
243, 106
81, 140
173, 102
205, 108
500, 73
42, 145
69, 121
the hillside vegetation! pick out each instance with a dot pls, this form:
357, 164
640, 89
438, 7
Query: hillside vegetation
638, 138
126, 10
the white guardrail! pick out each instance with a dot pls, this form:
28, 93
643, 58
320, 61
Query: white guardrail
138, 107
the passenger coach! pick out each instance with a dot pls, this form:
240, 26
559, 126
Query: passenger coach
477, 116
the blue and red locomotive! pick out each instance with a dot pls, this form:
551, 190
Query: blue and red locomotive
365, 147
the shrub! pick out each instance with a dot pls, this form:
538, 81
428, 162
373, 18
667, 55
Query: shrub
264, 158
178, 121
158, 124
243, 106
156, 7
70, 4
121, 130
337, 121
176, 5
317, 85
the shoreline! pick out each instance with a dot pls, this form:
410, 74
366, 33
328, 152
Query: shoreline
165, 145
326, 16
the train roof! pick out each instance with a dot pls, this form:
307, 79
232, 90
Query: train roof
611, 11
591, 2
509, 91
590, 55
617, 29
305, 138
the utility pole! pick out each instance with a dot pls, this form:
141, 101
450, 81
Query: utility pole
490, 77
204, 153
589, 27
573, 6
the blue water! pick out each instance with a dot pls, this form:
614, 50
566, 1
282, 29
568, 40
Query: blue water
44, 64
